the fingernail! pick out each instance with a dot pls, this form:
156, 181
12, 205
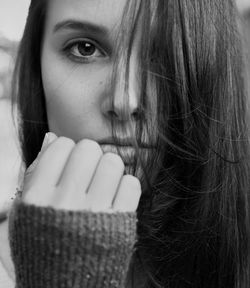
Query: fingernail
45, 141
49, 137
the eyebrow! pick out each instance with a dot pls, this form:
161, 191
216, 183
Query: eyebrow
72, 24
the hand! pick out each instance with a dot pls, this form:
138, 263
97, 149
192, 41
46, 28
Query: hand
79, 176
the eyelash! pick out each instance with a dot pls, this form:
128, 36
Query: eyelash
70, 47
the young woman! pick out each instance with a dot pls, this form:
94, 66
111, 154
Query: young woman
143, 180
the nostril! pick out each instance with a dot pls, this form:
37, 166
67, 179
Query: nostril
136, 115
112, 114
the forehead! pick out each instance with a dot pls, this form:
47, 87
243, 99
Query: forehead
103, 12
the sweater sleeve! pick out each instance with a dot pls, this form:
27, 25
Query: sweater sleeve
61, 248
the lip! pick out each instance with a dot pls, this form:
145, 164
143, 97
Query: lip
125, 142
127, 153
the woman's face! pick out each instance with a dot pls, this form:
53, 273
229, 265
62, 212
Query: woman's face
77, 60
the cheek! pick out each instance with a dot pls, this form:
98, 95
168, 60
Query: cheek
60, 91
72, 97
60, 88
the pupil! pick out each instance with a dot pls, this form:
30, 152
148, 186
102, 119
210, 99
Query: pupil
86, 49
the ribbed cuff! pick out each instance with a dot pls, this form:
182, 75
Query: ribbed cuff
61, 248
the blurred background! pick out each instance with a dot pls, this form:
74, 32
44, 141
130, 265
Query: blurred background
13, 14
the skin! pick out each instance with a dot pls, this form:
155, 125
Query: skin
77, 169
77, 88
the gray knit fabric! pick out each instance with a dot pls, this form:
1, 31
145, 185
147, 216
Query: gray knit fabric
60, 248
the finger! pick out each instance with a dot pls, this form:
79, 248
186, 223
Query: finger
47, 171
28, 174
128, 195
105, 183
48, 139
77, 174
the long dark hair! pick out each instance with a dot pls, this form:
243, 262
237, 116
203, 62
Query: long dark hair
193, 228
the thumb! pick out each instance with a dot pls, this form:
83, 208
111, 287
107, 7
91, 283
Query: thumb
48, 139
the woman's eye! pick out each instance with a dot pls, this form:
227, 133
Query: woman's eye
84, 50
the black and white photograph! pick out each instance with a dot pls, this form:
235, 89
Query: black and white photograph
124, 143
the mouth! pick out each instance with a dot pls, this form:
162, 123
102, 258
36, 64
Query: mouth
127, 153
125, 149
126, 142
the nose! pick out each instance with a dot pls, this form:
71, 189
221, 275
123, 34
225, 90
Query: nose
123, 104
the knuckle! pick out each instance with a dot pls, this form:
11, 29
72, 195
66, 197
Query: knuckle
133, 182
64, 141
62, 146
89, 144
113, 160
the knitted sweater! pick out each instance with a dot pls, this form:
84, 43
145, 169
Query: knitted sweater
70, 249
